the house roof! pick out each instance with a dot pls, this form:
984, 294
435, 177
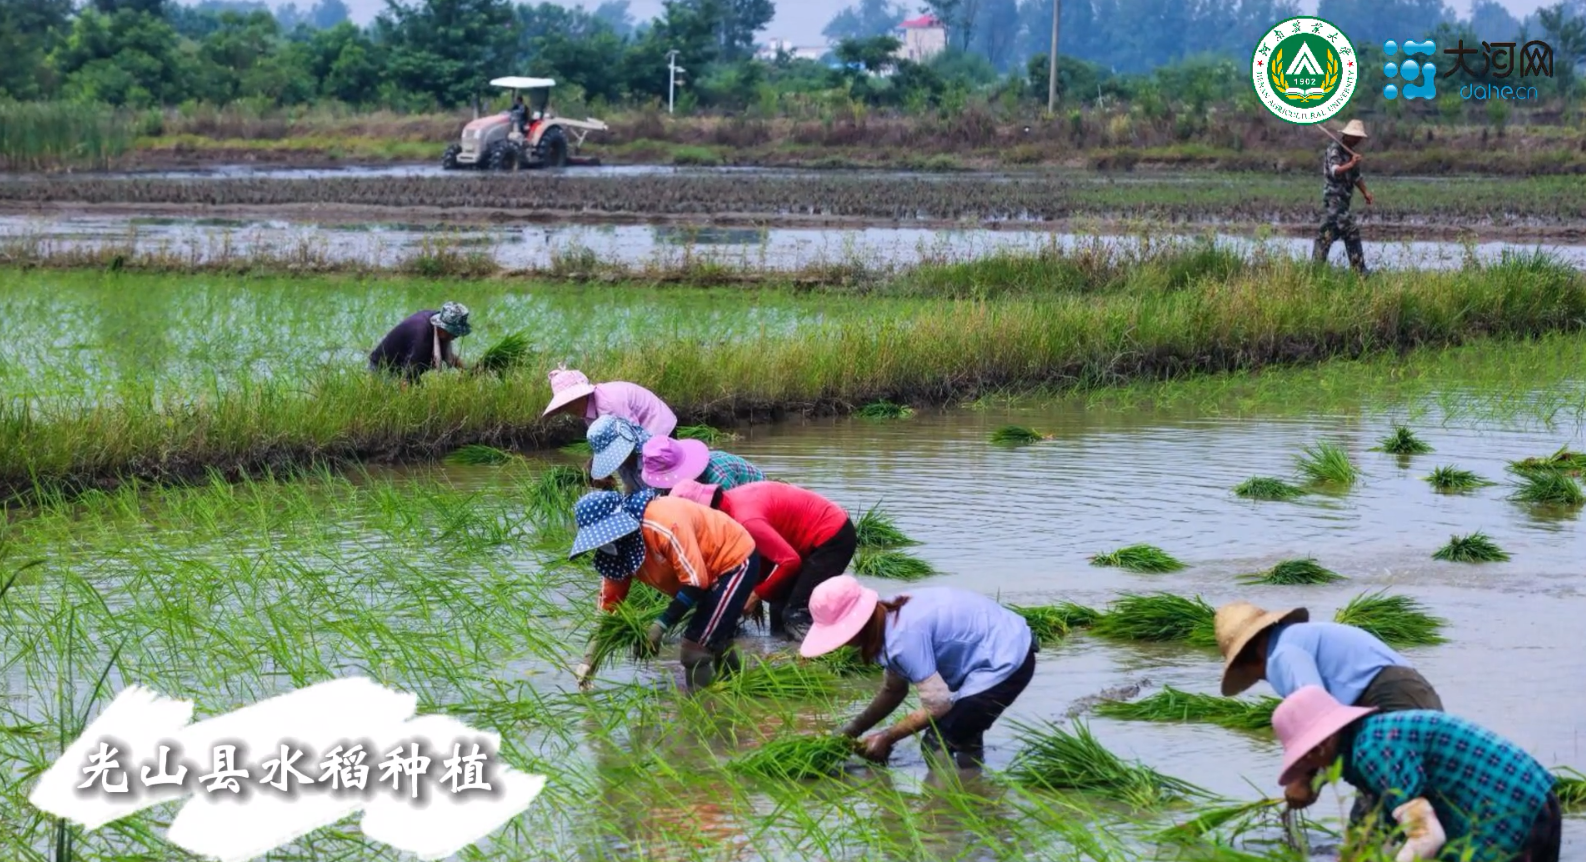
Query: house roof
924, 22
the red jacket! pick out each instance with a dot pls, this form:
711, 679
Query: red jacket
787, 522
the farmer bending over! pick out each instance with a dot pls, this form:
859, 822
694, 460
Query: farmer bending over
803, 538
1458, 790
667, 462
1289, 651
969, 656
1340, 178
572, 394
614, 444
422, 342
701, 558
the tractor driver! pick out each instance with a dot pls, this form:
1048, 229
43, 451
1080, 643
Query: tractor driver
520, 114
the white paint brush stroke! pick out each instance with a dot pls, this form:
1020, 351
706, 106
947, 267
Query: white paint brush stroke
218, 826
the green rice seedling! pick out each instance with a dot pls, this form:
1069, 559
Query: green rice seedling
761, 678
1403, 442
1267, 488
1474, 548
504, 355
876, 531
885, 410
1548, 488
1294, 573
623, 631
1399, 621
551, 497
1451, 479
1145, 559
1053, 758
1047, 622
892, 565
1158, 617
704, 434
1327, 464
846, 661
1563, 461
476, 455
1016, 435
1172, 705
798, 758
1570, 787
578, 447
1242, 816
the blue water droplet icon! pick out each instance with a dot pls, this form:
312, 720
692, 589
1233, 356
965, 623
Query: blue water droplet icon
1390, 48
1391, 70
1410, 70
1390, 92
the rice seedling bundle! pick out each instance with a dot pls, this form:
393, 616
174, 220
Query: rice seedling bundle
578, 447
797, 758
778, 679
1399, 621
1158, 617
1213, 819
551, 497
1570, 787
1146, 559
704, 434
505, 355
1172, 705
885, 410
1015, 435
876, 530
1294, 573
1474, 548
1562, 461
1403, 442
846, 661
1452, 479
1327, 464
892, 565
1048, 623
625, 629
476, 455
1548, 488
1267, 488
1053, 758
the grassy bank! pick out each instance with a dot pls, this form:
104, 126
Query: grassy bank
142, 404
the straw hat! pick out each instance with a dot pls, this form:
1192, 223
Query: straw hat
1237, 624
1355, 129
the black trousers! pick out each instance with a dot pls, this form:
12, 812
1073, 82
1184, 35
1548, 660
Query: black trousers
1393, 689
715, 621
825, 561
1547, 833
961, 732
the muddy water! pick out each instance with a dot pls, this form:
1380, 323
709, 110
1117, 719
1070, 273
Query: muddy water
756, 249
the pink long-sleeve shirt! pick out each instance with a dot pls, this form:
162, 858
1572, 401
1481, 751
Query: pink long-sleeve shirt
634, 403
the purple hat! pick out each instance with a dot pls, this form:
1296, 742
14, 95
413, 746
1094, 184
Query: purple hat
667, 462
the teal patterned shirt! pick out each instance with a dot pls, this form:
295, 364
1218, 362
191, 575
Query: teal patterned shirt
1486, 790
729, 471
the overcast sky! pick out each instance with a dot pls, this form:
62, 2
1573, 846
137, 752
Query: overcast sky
801, 21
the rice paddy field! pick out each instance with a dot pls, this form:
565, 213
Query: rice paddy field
1150, 389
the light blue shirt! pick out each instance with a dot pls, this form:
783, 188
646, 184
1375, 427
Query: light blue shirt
972, 641
1339, 658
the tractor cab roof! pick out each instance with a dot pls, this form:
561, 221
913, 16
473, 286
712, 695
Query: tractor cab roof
514, 83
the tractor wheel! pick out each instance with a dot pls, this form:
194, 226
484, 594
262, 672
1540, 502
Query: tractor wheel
449, 158
506, 156
553, 149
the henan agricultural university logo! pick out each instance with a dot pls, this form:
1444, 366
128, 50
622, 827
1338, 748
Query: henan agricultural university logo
1304, 70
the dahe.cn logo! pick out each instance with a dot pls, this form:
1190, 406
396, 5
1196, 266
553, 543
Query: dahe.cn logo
1498, 60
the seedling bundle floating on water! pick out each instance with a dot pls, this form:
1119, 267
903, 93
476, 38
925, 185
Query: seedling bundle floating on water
797, 758
1173, 705
1570, 787
1267, 488
1548, 488
1474, 548
504, 355
892, 565
704, 434
1016, 435
1327, 464
1147, 559
1403, 442
1399, 621
478, 455
1052, 623
1562, 461
1294, 573
885, 410
875, 530
1055, 759
1159, 617
1451, 479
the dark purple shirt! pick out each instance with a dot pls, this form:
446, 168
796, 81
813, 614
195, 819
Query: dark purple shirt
410, 347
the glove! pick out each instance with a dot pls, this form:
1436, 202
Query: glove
1423, 833
583, 673
652, 641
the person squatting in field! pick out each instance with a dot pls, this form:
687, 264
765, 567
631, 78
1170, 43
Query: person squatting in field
1340, 178
969, 656
422, 342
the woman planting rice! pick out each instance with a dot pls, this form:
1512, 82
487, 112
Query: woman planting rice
422, 342
701, 558
1290, 652
668, 462
803, 538
572, 393
614, 443
969, 656
1459, 790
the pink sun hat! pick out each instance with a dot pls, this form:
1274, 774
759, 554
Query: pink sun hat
667, 462
839, 608
1304, 720
695, 492
567, 386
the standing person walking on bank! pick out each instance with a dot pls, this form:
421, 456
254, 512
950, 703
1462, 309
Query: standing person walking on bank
1340, 178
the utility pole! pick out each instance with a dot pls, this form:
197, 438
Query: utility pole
671, 82
1051, 78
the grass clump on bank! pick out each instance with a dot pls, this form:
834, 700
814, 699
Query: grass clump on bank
1052, 623
1267, 488
1173, 705
1399, 621
1403, 442
1452, 480
1474, 548
1294, 573
1327, 464
478, 455
1016, 435
1053, 758
1145, 559
797, 758
877, 531
1158, 617
891, 565
1548, 488
885, 410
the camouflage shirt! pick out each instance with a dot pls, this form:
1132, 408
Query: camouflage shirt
1338, 186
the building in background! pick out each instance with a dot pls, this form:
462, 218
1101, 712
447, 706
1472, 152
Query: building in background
775, 48
923, 38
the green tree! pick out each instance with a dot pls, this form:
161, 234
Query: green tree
864, 19
125, 58
447, 50
1566, 34
28, 28
573, 46
872, 54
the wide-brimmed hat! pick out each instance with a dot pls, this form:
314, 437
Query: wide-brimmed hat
1237, 624
667, 462
612, 439
1355, 129
453, 317
609, 524
1304, 720
697, 492
839, 608
567, 386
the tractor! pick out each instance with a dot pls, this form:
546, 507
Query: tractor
506, 142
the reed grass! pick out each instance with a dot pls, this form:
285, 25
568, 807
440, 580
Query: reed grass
1327, 464
892, 565
506, 354
1145, 559
797, 759
1453, 480
1054, 758
845, 662
479, 455
1399, 621
1294, 573
1570, 787
1402, 441
1474, 548
1548, 488
1267, 488
1015, 435
877, 531
1173, 705
38, 136
1158, 617
885, 410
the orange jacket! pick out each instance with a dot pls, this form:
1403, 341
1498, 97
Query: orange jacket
685, 544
